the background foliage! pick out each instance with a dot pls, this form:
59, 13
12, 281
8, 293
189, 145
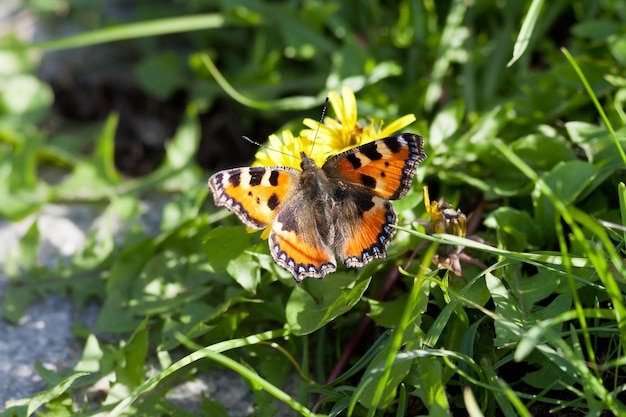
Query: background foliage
522, 108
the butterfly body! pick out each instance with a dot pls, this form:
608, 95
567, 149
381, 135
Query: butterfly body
341, 208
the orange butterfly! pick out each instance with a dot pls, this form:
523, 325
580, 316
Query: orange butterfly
342, 207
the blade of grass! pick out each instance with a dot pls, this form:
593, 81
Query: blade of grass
137, 30
381, 71
525, 33
593, 97
505, 396
208, 351
256, 379
549, 258
621, 193
400, 330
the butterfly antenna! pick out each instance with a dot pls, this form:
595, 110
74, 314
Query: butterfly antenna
268, 148
319, 124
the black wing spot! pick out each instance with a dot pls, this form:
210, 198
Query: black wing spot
354, 161
363, 203
274, 178
369, 182
256, 177
372, 153
235, 179
273, 202
393, 144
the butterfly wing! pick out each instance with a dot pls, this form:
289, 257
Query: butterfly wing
363, 228
296, 242
385, 166
254, 194
369, 176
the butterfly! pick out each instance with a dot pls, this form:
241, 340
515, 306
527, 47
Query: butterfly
341, 207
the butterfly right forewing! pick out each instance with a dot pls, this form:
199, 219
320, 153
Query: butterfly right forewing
385, 166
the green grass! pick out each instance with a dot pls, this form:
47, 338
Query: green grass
522, 111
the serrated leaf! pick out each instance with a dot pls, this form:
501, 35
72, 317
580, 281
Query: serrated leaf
48, 395
508, 328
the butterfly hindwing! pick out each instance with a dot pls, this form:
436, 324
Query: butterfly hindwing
296, 244
366, 238
385, 166
255, 194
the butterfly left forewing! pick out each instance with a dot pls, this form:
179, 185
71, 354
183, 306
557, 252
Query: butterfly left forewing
385, 166
254, 194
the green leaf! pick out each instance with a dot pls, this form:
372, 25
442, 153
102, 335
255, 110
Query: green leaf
245, 271
184, 207
508, 311
22, 265
445, 125
27, 97
546, 373
23, 259
567, 181
160, 75
387, 313
617, 46
430, 385
115, 315
600, 148
516, 229
224, 244
370, 380
92, 356
542, 152
314, 303
95, 177
51, 394
130, 366
532, 289
21, 192
450, 43
596, 29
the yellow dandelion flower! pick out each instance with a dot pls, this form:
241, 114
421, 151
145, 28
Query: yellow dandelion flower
344, 132
283, 150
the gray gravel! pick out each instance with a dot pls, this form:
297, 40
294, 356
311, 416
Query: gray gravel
45, 333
